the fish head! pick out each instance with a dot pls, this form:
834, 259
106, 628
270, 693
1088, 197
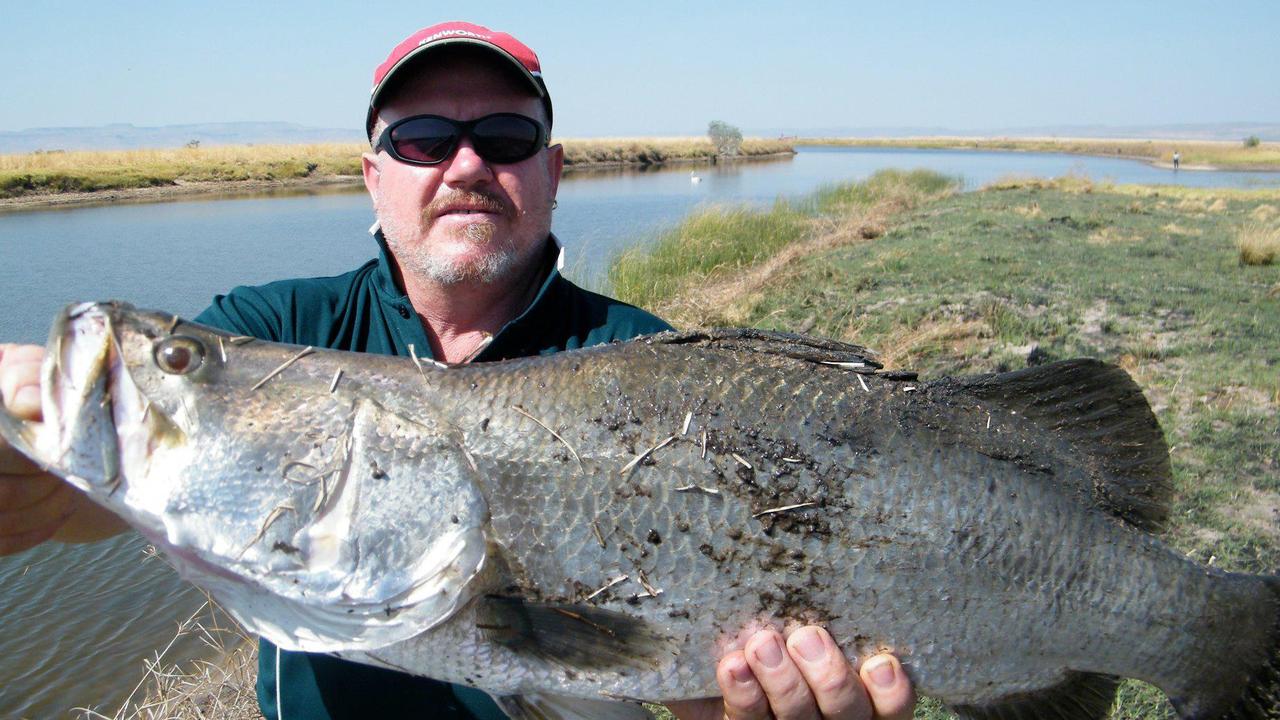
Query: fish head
102, 430
284, 499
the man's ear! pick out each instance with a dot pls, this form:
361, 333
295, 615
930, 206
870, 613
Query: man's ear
555, 166
372, 173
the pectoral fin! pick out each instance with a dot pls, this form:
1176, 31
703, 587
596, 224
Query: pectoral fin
576, 636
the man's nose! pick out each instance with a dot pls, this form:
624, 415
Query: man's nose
466, 167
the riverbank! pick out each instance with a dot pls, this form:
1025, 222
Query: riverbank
60, 179
1198, 155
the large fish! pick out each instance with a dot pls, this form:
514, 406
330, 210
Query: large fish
571, 531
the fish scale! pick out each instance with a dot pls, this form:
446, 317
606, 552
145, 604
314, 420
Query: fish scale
547, 527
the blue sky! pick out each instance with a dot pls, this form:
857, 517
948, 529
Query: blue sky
659, 67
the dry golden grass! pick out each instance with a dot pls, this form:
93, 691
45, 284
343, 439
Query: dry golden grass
196, 690
1263, 213
1176, 229
1066, 183
58, 172
1258, 243
1112, 236
1202, 154
1029, 211
645, 151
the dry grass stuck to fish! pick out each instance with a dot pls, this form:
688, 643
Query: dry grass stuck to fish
1258, 243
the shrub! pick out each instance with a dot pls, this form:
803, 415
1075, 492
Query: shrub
726, 138
1259, 244
1252, 141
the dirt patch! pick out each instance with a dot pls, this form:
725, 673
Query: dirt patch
1207, 536
1092, 322
1258, 510
1240, 397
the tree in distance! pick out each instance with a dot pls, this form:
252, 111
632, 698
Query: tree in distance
726, 138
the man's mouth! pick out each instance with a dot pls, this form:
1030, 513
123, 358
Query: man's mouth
466, 205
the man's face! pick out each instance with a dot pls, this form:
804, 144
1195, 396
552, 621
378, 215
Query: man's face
465, 220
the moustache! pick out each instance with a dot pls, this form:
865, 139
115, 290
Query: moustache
478, 199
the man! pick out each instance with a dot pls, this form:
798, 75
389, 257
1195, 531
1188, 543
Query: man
463, 183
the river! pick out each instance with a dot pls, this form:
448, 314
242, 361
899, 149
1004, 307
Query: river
78, 620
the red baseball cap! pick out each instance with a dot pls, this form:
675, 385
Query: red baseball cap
448, 34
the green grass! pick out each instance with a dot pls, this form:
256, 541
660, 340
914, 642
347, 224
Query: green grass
723, 240
1148, 278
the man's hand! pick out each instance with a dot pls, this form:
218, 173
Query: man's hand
805, 677
34, 505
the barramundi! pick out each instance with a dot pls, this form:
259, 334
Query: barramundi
575, 532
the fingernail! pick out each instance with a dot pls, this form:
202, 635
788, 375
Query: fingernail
741, 672
809, 643
770, 653
881, 671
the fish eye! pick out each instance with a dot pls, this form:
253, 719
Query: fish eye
179, 354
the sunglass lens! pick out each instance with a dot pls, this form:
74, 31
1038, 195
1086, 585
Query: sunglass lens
428, 140
506, 138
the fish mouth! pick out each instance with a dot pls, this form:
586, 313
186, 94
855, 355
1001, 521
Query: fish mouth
76, 402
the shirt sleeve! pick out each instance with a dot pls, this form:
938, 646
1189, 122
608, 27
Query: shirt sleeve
247, 311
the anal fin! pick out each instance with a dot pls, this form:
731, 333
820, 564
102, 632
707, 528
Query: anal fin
559, 707
1081, 696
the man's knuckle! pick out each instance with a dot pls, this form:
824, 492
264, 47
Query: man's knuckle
836, 683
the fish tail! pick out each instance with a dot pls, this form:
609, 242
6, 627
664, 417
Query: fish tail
1248, 687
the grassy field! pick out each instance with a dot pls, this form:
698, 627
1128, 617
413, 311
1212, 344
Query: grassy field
63, 172
1222, 155
1149, 278
1154, 279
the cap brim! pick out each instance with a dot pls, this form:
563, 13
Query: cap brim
397, 70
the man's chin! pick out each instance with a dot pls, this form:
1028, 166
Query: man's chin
473, 268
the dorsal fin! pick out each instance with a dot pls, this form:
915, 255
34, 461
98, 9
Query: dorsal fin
799, 347
1101, 413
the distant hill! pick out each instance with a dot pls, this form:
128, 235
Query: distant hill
132, 137
1186, 131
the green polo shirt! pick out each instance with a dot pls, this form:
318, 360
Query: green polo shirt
365, 311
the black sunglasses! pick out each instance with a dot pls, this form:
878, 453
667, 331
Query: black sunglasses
430, 139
